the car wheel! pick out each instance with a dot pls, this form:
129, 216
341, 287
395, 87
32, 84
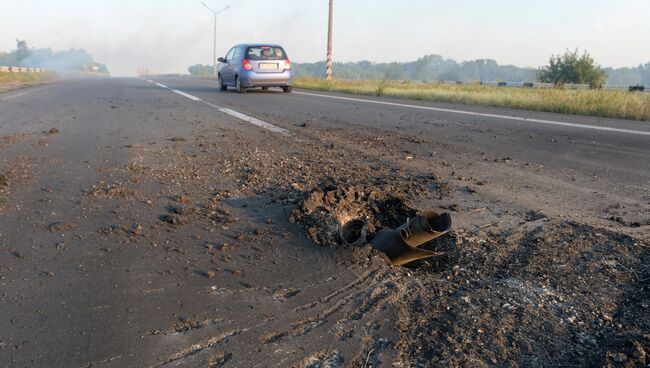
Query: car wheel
287, 89
238, 85
222, 86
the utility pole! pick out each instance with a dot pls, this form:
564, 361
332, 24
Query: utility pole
329, 41
214, 46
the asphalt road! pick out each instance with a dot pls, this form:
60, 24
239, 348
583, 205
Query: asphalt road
576, 169
95, 270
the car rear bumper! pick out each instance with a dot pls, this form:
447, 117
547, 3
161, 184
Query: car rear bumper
252, 79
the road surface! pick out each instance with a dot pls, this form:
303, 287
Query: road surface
160, 223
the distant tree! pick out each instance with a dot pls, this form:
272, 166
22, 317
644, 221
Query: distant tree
421, 66
393, 72
574, 68
8, 58
645, 74
200, 70
22, 51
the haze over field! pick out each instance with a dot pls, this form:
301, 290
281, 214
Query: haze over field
166, 36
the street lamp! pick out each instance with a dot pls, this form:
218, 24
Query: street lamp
329, 41
214, 50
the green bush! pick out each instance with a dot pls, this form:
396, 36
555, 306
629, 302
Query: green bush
573, 68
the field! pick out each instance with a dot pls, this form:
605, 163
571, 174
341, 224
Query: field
601, 103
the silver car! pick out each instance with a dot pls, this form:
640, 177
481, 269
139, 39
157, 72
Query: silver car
255, 65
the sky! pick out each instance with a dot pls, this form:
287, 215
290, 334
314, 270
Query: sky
167, 36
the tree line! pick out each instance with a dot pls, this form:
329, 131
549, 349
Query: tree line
573, 67
66, 61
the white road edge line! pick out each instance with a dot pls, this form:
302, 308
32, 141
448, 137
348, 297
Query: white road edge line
239, 115
15, 95
30, 90
515, 118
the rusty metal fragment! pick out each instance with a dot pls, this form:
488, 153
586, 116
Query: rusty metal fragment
401, 244
354, 233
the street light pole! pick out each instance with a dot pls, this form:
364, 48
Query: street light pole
214, 45
329, 41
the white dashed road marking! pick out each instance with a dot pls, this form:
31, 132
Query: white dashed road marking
238, 115
193, 98
255, 121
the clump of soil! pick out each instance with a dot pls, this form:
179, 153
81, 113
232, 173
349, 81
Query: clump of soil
115, 190
328, 207
185, 325
174, 219
182, 199
4, 182
131, 231
53, 131
180, 210
219, 359
271, 337
60, 226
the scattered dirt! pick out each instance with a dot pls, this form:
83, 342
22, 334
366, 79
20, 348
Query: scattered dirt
559, 294
8, 140
537, 292
12, 177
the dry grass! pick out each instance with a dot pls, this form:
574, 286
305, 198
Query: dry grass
20, 78
601, 103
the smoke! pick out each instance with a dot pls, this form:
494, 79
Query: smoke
73, 61
163, 36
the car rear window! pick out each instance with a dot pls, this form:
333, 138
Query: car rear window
265, 53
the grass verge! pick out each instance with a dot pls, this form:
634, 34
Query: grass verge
601, 103
25, 77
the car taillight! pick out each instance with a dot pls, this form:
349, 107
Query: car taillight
287, 64
247, 65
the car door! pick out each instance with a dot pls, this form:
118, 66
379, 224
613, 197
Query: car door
227, 71
235, 63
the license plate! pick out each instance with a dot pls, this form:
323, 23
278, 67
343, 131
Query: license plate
268, 66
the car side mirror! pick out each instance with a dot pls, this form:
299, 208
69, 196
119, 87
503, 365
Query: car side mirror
221, 60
